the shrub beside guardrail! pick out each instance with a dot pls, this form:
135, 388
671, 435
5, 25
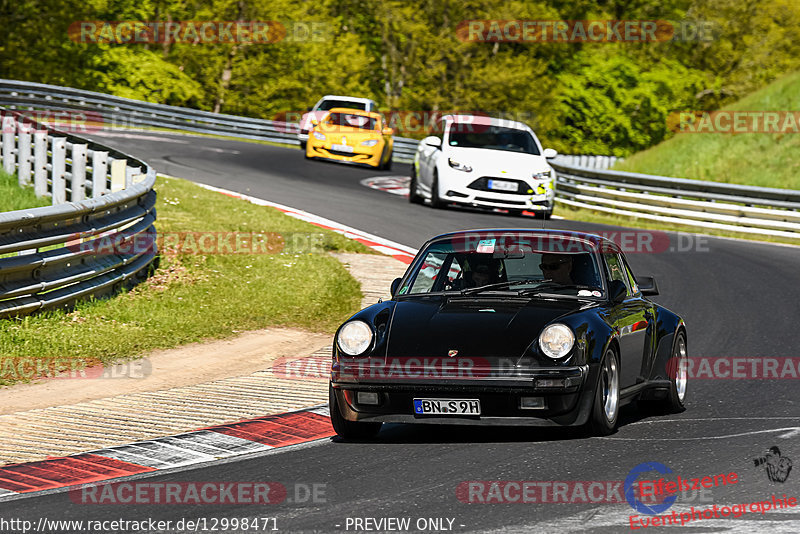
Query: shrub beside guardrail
49, 255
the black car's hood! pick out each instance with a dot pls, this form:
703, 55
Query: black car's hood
479, 327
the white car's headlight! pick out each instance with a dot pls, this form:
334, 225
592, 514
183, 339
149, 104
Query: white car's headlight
354, 338
556, 340
546, 175
319, 136
369, 142
459, 166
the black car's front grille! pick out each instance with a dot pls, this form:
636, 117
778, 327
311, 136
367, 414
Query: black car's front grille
482, 184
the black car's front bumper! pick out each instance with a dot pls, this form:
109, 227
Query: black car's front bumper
565, 391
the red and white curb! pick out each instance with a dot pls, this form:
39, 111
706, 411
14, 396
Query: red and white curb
396, 185
379, 244
198, 447
204, 445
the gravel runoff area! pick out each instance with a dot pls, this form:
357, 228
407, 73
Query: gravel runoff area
183, 389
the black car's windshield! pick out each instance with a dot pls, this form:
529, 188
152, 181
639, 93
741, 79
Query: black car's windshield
492, 137
516, 263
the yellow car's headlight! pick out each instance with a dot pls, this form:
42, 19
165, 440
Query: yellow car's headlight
369, 142
318, 136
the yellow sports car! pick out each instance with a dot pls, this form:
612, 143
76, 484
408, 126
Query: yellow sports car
351, 136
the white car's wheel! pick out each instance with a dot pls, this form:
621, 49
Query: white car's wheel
436, 201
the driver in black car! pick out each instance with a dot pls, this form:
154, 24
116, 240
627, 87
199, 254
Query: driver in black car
481, 275
558, 268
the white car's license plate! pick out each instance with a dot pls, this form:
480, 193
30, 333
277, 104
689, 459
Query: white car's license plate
447, 406
502, 185
342, 148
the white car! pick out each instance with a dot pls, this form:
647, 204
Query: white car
487, 162
327, 103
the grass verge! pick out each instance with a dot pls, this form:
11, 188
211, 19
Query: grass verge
767, 160
194, 297
13, 197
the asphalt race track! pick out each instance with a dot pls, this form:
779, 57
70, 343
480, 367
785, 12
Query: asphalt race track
739, 299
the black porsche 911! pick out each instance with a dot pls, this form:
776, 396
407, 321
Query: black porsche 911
509, 327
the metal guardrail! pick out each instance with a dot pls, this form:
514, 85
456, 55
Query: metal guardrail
83, 245
730, 207
583, 160
113, 112
583, 181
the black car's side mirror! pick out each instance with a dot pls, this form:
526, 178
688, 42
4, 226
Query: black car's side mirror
617, 291
396, 285
647, 285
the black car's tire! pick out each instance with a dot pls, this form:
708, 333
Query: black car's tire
605, 410
349, 429
677, 368
413, 195
436, 201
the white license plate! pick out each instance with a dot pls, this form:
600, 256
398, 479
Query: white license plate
447, 406
502, 185
342, 148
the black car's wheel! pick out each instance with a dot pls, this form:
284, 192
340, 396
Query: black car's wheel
679, 376
349, 429
605, 410
413, 195
436, 202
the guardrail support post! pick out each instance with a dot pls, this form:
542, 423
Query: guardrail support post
118, 171
99, 173
9, 129
24, 167
59, 148
40, 163
78, 172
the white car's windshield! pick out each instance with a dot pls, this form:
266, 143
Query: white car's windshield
493, 138
330, 104
351, 120
516, 263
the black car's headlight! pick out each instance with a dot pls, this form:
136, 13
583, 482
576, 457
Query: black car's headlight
556, 340
354, 338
